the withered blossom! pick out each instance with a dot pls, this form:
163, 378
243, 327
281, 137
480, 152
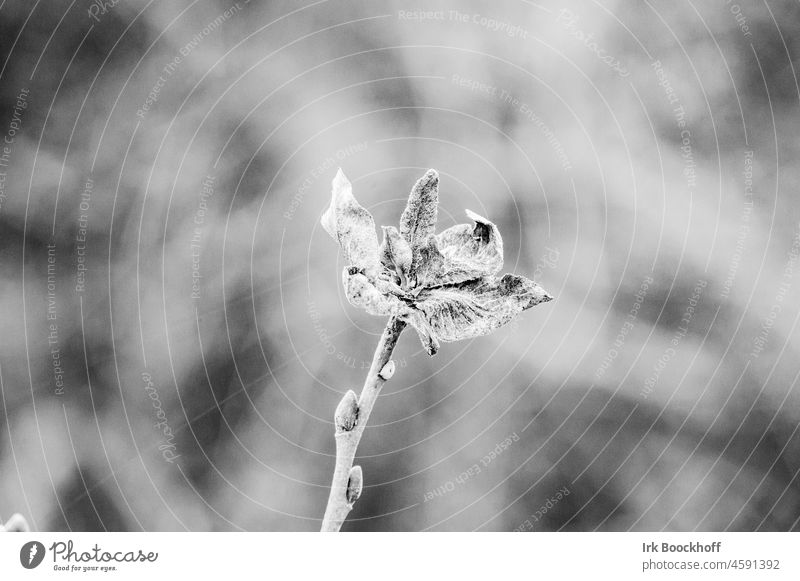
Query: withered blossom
445, 285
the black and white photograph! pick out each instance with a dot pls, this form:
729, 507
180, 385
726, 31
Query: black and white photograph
400, 267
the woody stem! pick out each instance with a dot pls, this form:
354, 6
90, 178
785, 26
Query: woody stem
347, 441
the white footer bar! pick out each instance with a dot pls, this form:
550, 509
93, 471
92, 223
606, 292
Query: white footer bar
388, 556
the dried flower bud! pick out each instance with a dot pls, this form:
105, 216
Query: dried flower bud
346, 415
448, 286
354, 484
387, 371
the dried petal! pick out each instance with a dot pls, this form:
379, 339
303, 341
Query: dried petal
477, 307
395, 253
352, 226
479, 246
418, 221
361, 292
424, 331
462, 253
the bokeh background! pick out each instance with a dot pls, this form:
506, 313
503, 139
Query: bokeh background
174, 332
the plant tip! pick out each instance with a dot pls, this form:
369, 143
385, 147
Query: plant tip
431, 176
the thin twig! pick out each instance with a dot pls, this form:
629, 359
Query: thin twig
351, 419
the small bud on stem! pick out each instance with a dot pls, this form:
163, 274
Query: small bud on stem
354, 484
346, 415
387, 372
351, 418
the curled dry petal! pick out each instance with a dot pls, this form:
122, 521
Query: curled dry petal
352, 226
462, 253
477, 307
479, 246
418, 220
395, 253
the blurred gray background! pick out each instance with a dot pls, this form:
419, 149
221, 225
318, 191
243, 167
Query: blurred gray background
175, 336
